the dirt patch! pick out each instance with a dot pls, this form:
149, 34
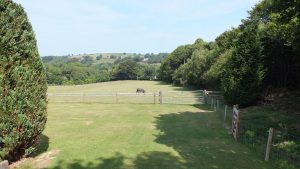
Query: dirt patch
40, 162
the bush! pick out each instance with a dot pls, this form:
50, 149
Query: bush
23, 84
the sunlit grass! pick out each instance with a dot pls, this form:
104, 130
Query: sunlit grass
144, 136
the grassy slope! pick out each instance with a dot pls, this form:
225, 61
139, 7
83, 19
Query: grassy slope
116, 86
140, 136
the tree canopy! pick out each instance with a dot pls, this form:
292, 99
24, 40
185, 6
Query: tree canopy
263, 53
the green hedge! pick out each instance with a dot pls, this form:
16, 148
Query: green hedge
23, 84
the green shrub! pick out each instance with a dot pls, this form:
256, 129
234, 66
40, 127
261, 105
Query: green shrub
23, 84
282, 164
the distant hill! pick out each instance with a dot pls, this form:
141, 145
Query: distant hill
99, 58
101, 67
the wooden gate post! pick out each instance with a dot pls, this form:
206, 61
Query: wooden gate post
215, 105
117, 99
53, 97
235, 121
225, 112
160, 97
4, 165
204, 97
269, 144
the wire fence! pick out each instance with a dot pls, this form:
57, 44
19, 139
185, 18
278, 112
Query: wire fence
284, 148
159, 97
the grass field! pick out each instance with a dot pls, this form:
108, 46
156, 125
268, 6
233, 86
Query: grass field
116, 86
111, 92
141, 136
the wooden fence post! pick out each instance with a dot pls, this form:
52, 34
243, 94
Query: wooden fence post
204, 97
53, 97
235, 121
212, 102
117, 99
154, 97
269, 144
225, 112
4, 165
215, 105
160, 97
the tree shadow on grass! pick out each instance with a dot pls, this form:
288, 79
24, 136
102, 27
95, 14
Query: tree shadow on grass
115, 162
148, 160
42, 146
158, 160
202, 142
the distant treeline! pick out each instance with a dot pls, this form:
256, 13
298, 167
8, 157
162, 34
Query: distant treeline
260, 55
69, 70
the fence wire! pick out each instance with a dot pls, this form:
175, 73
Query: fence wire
285, 148
159, 97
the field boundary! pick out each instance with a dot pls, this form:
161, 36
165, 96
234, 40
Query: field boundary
272, 144
159, 97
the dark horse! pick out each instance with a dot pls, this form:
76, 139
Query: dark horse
140, 90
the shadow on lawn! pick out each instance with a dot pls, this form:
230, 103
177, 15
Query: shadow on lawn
149, 160
116, 162
202, 141
158, 160
198, 137
42, 146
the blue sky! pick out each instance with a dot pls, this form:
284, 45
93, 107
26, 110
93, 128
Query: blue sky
132, 26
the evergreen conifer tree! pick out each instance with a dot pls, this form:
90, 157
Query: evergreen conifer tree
23, 84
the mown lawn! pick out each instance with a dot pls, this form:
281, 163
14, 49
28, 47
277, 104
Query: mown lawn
114, 136
128, 86
138, 136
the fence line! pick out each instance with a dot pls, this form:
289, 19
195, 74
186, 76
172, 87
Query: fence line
278, 147
162, 97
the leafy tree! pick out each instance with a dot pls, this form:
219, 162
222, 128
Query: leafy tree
262, 53
22, 84
54, 75
127, 70
137, 58
113, 57
99, 57
280, 32
174, 60
152, 58
149, 71
47, 58
87, 60
244, 71
214, 75
192, 72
